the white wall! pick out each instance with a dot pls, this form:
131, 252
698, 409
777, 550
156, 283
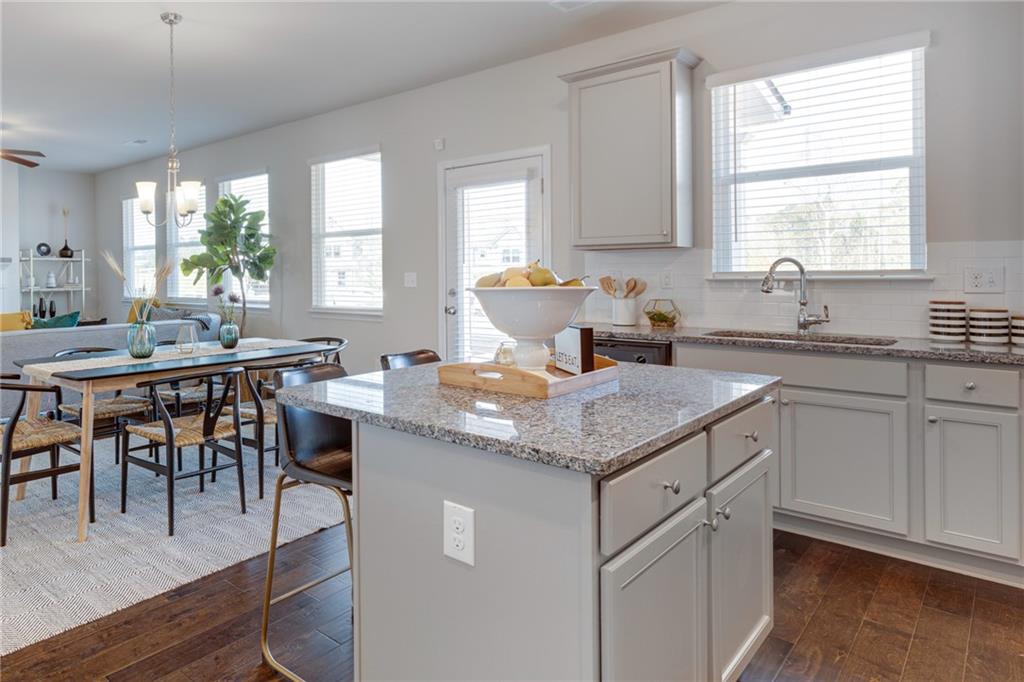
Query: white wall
41, 196
9, 295
974, 128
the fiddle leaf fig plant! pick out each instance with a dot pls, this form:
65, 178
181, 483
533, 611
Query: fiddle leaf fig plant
234, 243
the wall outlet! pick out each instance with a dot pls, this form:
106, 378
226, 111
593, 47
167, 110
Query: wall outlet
410, 280
459, 533
439, 144
984, 280
666, 280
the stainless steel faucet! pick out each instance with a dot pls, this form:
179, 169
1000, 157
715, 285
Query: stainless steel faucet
804, 320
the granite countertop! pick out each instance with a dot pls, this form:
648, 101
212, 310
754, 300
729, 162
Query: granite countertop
595, 431
908, 348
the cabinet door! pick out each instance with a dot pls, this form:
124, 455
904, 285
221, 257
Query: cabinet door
844, 457
972, 479
622, 155
654, 603
740, 566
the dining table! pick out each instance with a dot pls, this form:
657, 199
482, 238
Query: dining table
108, 371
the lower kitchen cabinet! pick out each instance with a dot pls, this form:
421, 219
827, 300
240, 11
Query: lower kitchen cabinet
740, 573
654, 603
845, 457
972, 479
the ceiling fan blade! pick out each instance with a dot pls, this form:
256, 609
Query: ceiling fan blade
16, 159
23, 152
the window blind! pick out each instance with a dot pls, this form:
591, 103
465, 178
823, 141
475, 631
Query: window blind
182, 243
347, 234
138, 242
825, 164
256, 189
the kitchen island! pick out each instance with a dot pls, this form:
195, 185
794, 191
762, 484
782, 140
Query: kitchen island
623, 531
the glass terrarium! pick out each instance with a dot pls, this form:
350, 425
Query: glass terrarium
662, 313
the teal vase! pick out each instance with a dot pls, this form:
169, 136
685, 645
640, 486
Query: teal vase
229, 335
141, 339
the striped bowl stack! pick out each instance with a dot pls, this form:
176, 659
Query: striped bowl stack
1017, 330
989, 326
947, 321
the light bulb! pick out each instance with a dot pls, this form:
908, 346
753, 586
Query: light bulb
147, 196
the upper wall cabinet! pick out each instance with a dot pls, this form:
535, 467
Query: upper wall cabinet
630, 152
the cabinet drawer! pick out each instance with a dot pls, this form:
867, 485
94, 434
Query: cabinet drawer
738, 438
639, 497
972, 385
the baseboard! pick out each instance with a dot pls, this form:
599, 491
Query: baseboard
937, 557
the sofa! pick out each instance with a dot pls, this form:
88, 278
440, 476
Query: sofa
42, 343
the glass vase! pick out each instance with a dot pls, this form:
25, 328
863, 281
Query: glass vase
229, 335
141, 339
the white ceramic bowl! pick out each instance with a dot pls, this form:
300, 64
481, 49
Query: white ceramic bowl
531, 315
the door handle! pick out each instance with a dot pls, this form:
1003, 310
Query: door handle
933, 420
450, 310
726, 513
713, 523
673, 486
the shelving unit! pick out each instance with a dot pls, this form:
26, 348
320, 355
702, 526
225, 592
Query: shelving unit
68, 269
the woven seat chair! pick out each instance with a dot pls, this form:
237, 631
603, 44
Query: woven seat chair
318, 449
108, 413
414, 357
209, 429
339, 344
33, 435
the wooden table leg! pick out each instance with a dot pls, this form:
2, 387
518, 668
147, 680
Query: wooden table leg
31, 410
85, 464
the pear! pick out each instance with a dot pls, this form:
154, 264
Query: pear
517, 281
541, 277
491, 280
514, 271
574, 282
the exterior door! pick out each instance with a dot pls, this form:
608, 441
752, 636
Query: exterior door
493, 219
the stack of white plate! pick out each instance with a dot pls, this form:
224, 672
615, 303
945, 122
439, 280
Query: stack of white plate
989, 326
947, 321
1017, 330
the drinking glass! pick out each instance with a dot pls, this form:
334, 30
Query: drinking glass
186, 342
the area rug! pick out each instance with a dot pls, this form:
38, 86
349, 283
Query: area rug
50, 583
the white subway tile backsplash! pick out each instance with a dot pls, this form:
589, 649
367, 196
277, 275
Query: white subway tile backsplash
891, 307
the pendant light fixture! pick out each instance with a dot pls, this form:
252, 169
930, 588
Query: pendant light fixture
183, 198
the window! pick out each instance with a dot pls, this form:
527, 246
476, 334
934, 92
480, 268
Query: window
347, 234
825, 164
182, 243
139, 242
255, 188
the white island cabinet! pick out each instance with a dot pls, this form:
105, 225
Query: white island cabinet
601, 546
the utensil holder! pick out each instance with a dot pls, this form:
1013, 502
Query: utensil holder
624, 312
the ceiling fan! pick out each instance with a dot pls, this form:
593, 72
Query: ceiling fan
16, 154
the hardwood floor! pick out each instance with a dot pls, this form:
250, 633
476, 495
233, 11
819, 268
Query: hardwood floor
840, 613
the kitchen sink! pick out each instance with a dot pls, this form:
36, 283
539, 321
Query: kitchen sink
849, 339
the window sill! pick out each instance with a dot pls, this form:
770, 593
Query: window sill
789, 275
186, 303
349, 314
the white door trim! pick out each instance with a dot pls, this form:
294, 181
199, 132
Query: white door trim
544, 152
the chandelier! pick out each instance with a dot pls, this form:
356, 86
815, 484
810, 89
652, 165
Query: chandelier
183, 198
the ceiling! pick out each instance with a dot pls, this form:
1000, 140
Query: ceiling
80, 81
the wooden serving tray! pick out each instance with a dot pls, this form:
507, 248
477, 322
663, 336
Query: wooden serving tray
545, 383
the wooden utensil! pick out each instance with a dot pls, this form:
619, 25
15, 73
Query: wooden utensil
641, 287
608, 285
630, 287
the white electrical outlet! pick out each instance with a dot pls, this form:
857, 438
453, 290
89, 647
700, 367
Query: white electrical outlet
666, 280
984, 280
459, 533
410, 280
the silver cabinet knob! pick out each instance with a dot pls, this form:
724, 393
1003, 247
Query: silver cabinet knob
933, 420
673, 486
970, 385
713, 523
450, 310
726, 513
784, 401
752, 436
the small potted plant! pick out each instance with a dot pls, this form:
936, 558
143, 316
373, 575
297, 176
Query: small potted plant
226, 307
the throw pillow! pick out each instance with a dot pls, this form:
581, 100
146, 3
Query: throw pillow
67, 320
10, 322
167, 313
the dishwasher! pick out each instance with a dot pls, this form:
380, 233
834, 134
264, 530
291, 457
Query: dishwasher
628, 350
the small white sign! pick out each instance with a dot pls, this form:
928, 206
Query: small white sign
574, 350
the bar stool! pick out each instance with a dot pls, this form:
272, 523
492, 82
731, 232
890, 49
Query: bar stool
318, 449
414, 357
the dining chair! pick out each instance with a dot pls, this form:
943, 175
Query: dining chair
186, 396
318, 451
30, 436
261, 411
338, 342
415, 357
204, 430
107, 412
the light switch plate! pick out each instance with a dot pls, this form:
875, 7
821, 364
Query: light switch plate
410, 280
984, 280
459, 533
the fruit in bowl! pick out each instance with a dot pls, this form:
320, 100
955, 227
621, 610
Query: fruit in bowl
530, 313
